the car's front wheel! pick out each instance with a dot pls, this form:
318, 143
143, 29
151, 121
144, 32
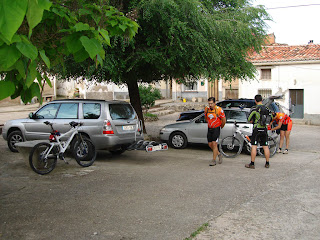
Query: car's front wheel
178, 140
13, 138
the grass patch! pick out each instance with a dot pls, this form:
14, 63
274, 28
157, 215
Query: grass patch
199, 230
150, 115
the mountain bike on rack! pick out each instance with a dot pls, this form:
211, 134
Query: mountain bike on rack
43, 156
231, 146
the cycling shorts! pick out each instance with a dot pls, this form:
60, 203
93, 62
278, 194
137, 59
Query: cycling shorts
213, 134
259, 135
286, 127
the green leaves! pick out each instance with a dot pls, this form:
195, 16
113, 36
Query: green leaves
81, 27
27, 49
104, 33
73, 42
45, 58
7, 88
12, 13
9, 54
38, 35
35, 12
92, 46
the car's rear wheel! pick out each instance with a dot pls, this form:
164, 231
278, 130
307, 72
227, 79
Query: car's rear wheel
13, 138
178, 140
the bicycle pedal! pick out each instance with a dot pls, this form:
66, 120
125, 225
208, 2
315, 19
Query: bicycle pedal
61, 157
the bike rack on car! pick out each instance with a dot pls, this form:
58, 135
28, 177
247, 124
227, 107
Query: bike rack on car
148, 146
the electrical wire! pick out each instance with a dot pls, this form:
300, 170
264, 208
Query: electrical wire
305, 5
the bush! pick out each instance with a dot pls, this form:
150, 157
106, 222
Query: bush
148, 96
149, 117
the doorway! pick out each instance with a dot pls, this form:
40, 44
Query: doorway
296, 101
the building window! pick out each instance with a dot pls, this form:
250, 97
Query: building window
266, 74
265, 93
191, 86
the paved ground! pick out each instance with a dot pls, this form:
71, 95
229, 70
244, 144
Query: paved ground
165, 195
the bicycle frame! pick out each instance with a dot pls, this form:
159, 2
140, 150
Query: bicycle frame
238, 131
63, 145
244, 137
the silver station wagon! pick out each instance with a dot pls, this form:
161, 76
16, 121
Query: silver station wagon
111, 125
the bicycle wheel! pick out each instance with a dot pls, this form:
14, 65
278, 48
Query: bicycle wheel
272, 144
37, 160
85, 152
230, 147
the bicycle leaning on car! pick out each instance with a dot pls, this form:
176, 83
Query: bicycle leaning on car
43, 156
231, 146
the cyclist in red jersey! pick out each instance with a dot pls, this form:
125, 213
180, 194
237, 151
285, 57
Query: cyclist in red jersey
216, 120
285, 125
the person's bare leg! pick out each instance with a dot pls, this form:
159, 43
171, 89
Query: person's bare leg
215, 150
253, 153
282, 133
266, 152
287, 134
253, 157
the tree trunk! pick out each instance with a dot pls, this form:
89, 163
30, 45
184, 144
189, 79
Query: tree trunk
135, 100
170, 88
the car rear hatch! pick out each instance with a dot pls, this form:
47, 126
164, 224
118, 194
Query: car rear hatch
267, 101
124, 122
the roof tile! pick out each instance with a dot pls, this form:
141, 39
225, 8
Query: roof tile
285, 53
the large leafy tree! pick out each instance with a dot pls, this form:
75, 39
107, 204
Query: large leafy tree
36, 35
179, 38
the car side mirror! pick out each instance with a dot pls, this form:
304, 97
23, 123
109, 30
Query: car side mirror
31, 115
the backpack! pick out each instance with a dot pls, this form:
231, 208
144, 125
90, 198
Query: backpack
265, 116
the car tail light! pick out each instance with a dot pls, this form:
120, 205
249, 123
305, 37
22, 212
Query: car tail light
107, 128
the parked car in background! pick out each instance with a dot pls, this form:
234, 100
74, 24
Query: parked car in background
233, 103
111, 125
249, 103
241, 102
180, 134
188, 115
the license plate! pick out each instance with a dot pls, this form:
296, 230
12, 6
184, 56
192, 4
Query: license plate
126, 128
156, 148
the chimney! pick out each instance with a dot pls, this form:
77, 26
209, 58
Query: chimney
310, 42
271, 39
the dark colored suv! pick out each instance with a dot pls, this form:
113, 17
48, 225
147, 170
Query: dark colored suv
249, 103
231, 103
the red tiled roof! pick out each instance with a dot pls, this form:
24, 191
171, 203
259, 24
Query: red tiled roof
285, 53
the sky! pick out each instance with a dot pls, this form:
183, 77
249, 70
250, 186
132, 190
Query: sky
293, 25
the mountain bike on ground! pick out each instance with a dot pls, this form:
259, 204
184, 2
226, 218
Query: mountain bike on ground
232, 146
43, 156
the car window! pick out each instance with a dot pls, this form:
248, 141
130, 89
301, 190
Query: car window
91, 110
68, 111
202, 119
121, 111
48, 111
239, 116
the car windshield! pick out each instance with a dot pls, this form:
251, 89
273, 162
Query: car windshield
121, 111
239, 116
